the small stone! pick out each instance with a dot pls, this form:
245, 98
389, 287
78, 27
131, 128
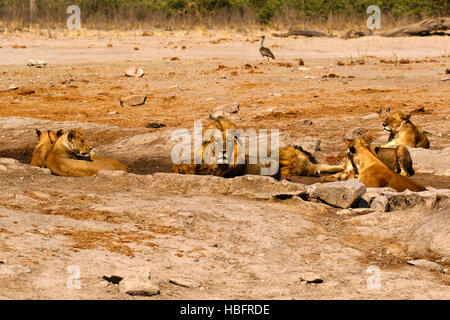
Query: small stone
183, 282
113, 112
310, 277
13, 87
155, 125
224, 111
137, 287
425, 264
309, 144
380, 203
134, 100
134, 72
36, 63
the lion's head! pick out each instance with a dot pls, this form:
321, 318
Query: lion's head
393, 122
222, 153
78, 145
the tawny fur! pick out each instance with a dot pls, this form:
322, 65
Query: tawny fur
373, 172
70, 156
404, 132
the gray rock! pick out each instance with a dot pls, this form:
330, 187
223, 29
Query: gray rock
309, 144
380, 203
134, 100
426, 264
138, 287
310, 277
13, 87
431, 161
36, 63
225, 111
342, 194
184, 282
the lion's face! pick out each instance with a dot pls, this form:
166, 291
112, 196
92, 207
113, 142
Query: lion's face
221, 149
78, 145
393, 122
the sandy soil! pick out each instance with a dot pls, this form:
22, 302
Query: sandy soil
232, 246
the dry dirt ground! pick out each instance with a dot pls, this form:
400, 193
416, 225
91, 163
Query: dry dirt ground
218, 234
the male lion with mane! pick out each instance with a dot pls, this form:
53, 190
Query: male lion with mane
292, 161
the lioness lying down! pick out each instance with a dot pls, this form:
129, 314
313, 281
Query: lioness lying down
403, 131
291, 161
71, 154
373, 172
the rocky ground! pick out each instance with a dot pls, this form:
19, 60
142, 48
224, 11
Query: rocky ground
190, 237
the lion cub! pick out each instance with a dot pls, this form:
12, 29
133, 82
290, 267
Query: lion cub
403, 131
373, 172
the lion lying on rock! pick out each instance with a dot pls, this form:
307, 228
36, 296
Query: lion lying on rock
71, 155
403, 131
291, 161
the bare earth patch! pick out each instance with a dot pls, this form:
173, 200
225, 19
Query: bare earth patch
227, 236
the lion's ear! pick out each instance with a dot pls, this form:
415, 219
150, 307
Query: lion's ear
71, 135
38, 132
352, 149
376, 149
406, 117
59, 133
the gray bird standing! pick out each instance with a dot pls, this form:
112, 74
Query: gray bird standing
265, 52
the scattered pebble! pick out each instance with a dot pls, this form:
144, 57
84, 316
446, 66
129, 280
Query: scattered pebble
134, 72
184, 282
155, 125
134, 100
310, 277
13, 87
36, 63
426, 264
